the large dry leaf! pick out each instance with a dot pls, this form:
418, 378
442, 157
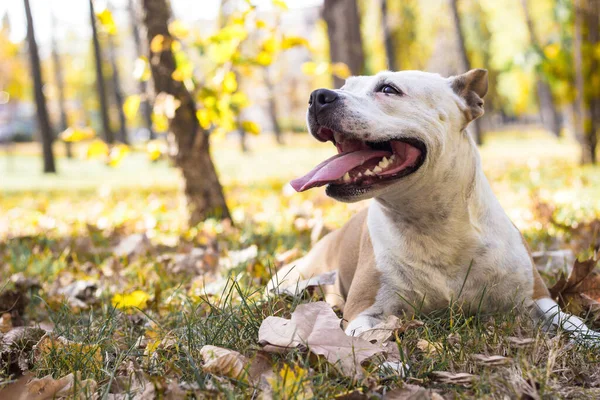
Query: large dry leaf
412, 392
48, 388
490, 361
16, 346
580, 292
314, 326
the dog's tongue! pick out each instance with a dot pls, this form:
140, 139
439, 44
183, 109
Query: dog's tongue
335, 167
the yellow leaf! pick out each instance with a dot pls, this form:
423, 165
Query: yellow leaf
293, 41
230, 84
223, 362
263, 58
292, 383
260, 24
77, 134
107, 21
137, 298
309, 68
271, 45
160, 122
203, 116
179, 29
251, 127
117, 154
552, 50
281, 4
341, 70
155, 149
97, 149
157, 44
131, 106
141, 69
240, 100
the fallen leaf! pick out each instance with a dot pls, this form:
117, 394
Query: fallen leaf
520, 342
5, 323
133, 245
461, 378
16, 346
291, 383
223, 362
386, 330
482, 359
314, 326
136, 299
579, 293
80, 294
429, 347
48, 388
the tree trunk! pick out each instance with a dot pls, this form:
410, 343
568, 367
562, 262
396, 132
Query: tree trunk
273, 107
388, 38
100, 85
40, 101
146, 104
466, 64
203, 190
60, 87
117, 90
585, 131
345, 41
593, 16
548, 110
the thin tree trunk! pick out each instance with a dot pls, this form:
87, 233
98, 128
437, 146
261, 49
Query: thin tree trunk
548, 110
40, 101
345, 41
100, 85
273, 108
593, 16
60, 87
117, 91
203, 190
388, 38
466, 64
146, 104
583, 125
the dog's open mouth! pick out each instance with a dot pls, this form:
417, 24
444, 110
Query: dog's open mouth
363, 163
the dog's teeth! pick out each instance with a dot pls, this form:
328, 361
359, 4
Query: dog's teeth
369, 173
384, 163
347, 177
359, 175
377, 170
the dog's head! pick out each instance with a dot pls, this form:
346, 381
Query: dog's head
392, 131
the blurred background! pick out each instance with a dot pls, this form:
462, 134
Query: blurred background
206, 100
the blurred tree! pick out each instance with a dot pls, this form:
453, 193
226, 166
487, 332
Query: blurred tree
466, 64
272, 105
145, 103
44, 127
388, 38
116, 82
587, 79
546, 103
60, 87
345, 41
202, 187
100, 84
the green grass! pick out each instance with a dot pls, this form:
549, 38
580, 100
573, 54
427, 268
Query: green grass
62, 229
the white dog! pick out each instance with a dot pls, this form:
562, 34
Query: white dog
435, 233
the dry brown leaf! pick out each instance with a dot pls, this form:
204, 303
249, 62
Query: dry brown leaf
461, 378
314, 326
520, 342
133, 245
490, 361
16, 346
223, 362
48, 388
428, 347
411, 392
5, 323
386, 330
580, 292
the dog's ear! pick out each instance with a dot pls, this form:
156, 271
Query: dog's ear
472, 87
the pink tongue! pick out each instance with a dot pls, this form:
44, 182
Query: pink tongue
335, 167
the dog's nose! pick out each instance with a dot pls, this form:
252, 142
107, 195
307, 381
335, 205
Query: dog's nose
321, 98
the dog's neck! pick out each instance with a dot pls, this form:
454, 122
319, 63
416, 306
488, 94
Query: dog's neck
448, 218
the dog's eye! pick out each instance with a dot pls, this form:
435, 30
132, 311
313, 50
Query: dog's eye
387, 89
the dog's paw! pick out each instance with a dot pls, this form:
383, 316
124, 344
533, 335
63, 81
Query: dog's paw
361, 324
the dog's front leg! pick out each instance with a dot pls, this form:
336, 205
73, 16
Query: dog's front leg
550, 314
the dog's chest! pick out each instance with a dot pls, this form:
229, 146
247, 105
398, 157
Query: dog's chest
430, 270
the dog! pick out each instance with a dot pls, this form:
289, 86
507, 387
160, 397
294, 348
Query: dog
434, 233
